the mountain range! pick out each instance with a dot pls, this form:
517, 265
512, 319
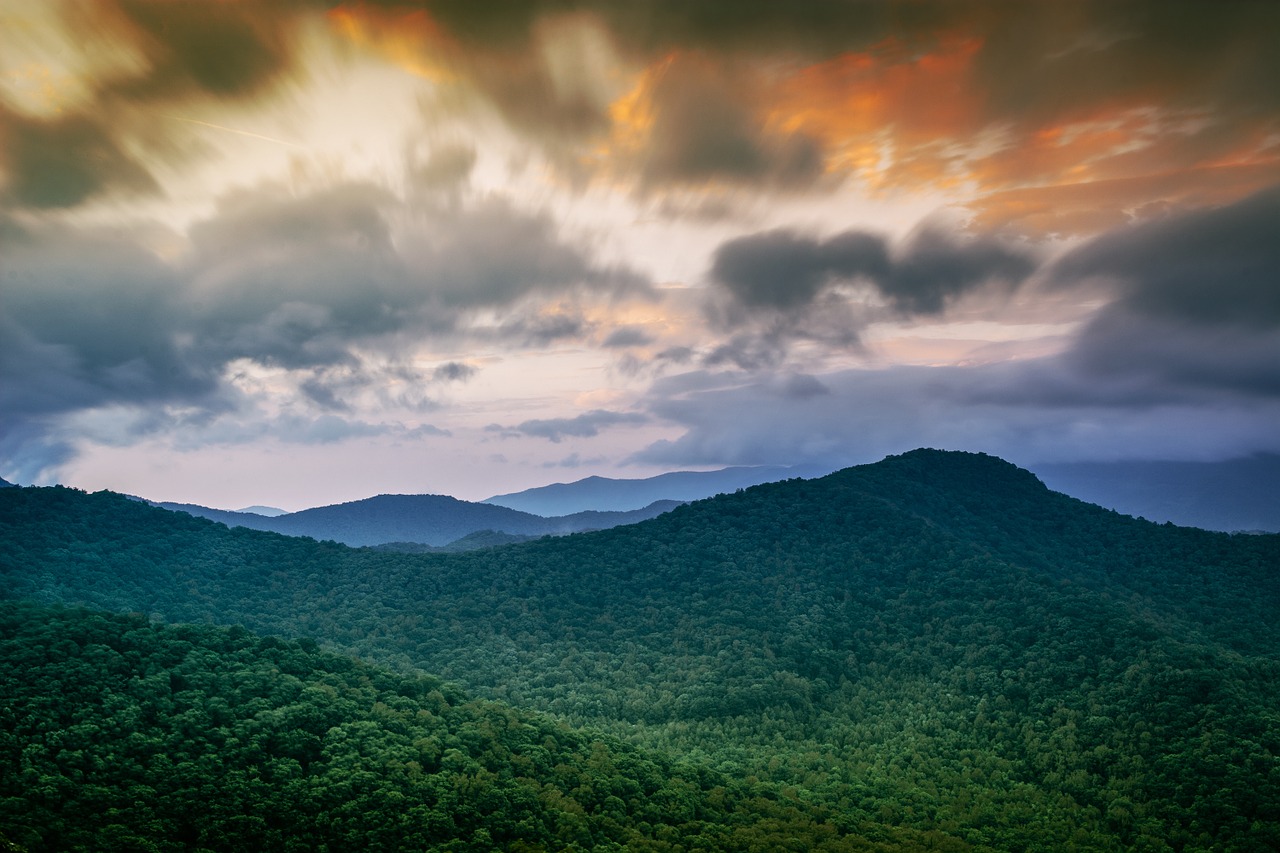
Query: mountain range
605, 493
1236, 494
435, 520
934, 647
1230, 495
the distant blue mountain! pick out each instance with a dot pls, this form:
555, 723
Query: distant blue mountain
1235, 495
268, 511
424, 519
607, 494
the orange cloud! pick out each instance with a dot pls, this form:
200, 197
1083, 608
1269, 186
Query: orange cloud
408, 38
1088, 207
886, 115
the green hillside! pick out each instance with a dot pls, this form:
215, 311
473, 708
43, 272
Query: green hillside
934, 642
121, 735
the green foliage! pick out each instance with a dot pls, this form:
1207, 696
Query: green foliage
124, 735
935, 643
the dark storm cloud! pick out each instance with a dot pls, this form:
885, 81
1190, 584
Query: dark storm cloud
1207, 267
782, 269
785, 271
317, 285
1191, 53
291, 281
933, 270
89, 320
586, 425
1197, 300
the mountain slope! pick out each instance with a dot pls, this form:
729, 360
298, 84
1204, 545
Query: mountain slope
435, 520
124, 735
605, 493
935, 641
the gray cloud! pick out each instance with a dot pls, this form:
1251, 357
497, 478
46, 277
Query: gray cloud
627, 336
453, 371
425, 430
586, 425
1197, 301
318, 285
785, 271
88, 319
1028, 412
494, 254
705, 129
1207, 267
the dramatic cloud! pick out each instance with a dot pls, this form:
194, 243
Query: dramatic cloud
783, 287
818, 230
1208, 267
1198, 299
88, 319
781, 269
320, 286
149, 56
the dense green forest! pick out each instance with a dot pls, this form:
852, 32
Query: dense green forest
124, 735
934, 644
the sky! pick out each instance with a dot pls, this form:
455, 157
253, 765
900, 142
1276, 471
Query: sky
295, 253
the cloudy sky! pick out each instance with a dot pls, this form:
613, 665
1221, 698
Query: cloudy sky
298, 252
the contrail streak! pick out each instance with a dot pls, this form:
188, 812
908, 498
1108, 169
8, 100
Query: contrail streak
234, 130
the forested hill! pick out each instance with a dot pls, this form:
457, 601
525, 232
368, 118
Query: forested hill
121, 735
426, 519
935, 641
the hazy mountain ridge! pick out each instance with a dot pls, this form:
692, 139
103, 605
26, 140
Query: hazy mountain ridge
435, 520
1232, 495
1229, 495
937, 634
610, 494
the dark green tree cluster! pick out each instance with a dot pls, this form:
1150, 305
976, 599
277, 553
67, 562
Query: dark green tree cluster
935, 642
123, 735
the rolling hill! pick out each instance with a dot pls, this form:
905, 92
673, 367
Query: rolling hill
122, 735
935, 643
